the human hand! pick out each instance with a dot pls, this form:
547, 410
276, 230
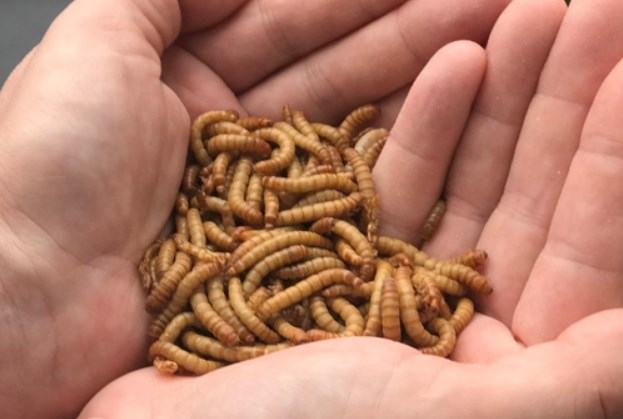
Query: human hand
94, 142
536, 175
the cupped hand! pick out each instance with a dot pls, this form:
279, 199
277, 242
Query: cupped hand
94, 129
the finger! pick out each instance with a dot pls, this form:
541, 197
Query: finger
390, 107
516, 52
374, 61
268, 34
198, 14
412, 167
12, 82
580, 270
578, 63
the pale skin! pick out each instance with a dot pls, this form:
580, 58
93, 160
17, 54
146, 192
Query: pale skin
94, 134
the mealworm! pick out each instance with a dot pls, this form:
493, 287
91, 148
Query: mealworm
357, 119
433, 220
408, 309
205, 345
318, 197
447, 338
274, 244
165, 257
189, 180
200, 273
218, 237
338, 208
371, 155
252, 238
473, 258
390, 310
225, 128
308, 268
341, 290
296, 169
430, 297
255, 190
190, 362
240, 143
144, 267
307, 143
258, 297
351, 316
165, 366
218, 205
177, 325
270, 263
317, 252
282, 158
195, 228
336, 159
219, 170
310, 184
229, 178
182, 204
400, 259
302, 124
288, 331
210, 319
200, 253
181, 226
322, 317
444, 310
275, 286
363, 175
160, 295
331, 134
305, 288
311, 163
298, 314
319, 170
271, 208
196, 137
235, 196
462, 315
286, 114
369, 138
251, 123
246, 315
463, 274
445, 284
347, 253
218, 300
373, 323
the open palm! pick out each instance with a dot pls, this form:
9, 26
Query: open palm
95, 188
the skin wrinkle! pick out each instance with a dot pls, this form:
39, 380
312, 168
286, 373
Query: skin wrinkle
275, 33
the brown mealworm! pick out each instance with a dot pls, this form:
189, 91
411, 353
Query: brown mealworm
371, 155
207, 346
255, 190
462, 315
358, 119
271, 208
390, 310
447, 338
225, 128
251, 123
229, 178
308, 268
252, 238
363, 175
307, 143
341, 290
282, 158
336, 159
400, 259
181, 226
165, 258
445, 284
317, 252
347, 253
190, 362
246, 315
338, 208
270, 263
408, 309
474, 258
209, 318
200, 253
189, 180
351, 316
236, 194
369, 138
303, 126
195, 228
373, 324
286, 114
296, 168
216, 236
319, 170
164, 365
288, 331
433, 220
182, 204
331, 134
218, 205
160, 295
196, 137
242, 143
218, 300
219, 170
177, 325
144, 268
310, 184
318, 197
323, 318
258, 297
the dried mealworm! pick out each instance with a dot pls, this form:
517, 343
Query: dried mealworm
283, 158
408, 309
160, 295
433, 220
189, 181
255, 190
218, 237
196, 137
236, 194
305, 288
447, 338
246, 315
210, 319
347, 253
308, 268
288, 331
200, 253
165, 257
473, 258
338, 208
242, 143
318, 197
219, 170
195, 228
144, 267
367, 190
176, 326
373, 324
372, 154
307, 143
323, 318
274, 244
270, 263
445, 284
302, 124
225, 128
309, 184
462, 315
218, 300
358, 119
331, 134
351, 316
258, 297
369, 138
271, 208
190, 362
209, 347
390, 310
252, 123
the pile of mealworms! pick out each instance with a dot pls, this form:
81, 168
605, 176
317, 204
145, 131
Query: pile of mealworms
277, 243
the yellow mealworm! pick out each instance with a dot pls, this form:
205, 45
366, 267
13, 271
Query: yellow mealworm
271, 208
144, 268
207, 346
255, 190
318, 197
307, 143
258, 297
236, 194
210, 319
390, 310
218, 300
373, 323
225, 128
182, 204
219, 170
338, 208
195, 228
473, 258
311, 267
408, 309
252, 123
302, 124
331, 134
371, 155
181, 226
336, 159
200, 273
358, 119
190, 362
367, 190
445, 284
177, 325
246, 315
283, 158
200, 253
270, 263
369, 138
310, 184
160, 295
319, 170
165, 258
288, 331
238, 142
189, 180
323, 318
341, 290
462, 315
218, 237
196, 137
433, 220
447, 338
274, 244
296, 168
347, 253
305, 288
351, 316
